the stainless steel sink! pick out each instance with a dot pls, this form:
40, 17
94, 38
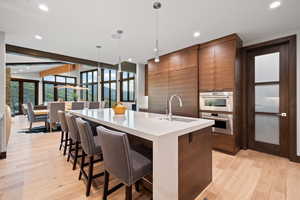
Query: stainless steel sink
177, 119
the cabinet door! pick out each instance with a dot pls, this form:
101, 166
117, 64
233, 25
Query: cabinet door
225, 62
183, 59
185, 84
206, 69
158, 85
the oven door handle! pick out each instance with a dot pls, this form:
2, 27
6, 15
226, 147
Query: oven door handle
220, 119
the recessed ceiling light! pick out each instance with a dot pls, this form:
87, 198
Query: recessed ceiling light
43, 7
155, 49
38, 37
130, 59
196, 34
275, 4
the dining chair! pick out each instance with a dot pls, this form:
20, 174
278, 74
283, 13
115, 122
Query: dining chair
32, 118
64, 139
94, 105
122, 162
74, 139
77, 106
53, 113
91, 149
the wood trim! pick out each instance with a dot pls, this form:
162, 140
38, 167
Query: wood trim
24, 80
60, 70
278, 41
2, 155
233, 36
54, 56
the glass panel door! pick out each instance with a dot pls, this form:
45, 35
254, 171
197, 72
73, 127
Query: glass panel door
266, 83
15, 98
29, 92
268, 102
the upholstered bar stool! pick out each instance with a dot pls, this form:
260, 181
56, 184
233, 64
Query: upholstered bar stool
77, 106
74, 139
64, 139
91, 150
121, 161
94, 105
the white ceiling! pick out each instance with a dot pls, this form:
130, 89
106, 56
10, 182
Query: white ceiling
75, 27
14, 58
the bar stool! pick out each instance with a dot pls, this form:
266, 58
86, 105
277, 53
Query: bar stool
121, 161
94, 105
74, 139
64, 139
91, 150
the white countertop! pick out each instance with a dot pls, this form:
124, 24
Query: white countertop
145, 125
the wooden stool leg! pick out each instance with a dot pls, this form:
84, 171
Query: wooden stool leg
137, 186
76, 155
128, 192
66, 143
61, 139
82, 165
90, 176
106, 183
70, 150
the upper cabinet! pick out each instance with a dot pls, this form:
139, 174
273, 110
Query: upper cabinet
207, 69
217, 62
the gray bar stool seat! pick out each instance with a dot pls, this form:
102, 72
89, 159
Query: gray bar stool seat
74, 140
94, 105
77, 106
91, 149
64, 140
120, 160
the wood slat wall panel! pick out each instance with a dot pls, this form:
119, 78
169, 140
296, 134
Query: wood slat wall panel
225, 55
206, 69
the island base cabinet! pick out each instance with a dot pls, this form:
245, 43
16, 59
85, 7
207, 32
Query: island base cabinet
195, 163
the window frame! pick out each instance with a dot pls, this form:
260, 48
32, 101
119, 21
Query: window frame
87, 84
128, 78
109, 81
55, 84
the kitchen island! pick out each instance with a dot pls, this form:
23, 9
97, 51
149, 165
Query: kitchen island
182, 154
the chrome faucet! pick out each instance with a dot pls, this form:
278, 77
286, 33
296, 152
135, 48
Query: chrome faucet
170, 105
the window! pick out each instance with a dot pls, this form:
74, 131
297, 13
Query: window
89, 79
109, 86
52, 93
127, 87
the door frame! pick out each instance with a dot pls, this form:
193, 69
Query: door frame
21, 91
291, 42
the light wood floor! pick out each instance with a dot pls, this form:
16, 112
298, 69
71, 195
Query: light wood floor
36, 170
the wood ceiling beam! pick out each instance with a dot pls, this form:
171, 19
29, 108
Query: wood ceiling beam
59, 70
54, 56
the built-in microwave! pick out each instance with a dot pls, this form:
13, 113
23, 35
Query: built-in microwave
216, 101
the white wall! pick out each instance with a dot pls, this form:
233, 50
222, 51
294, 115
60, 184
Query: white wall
2, 91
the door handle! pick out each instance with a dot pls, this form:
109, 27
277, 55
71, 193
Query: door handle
282, 114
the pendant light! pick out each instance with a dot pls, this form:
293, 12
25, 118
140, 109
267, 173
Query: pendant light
118, 36
156, 6
98, 52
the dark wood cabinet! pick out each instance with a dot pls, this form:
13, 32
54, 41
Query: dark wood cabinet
210, 66
176, 73
195, 163
225, 55
207, 69
217, 62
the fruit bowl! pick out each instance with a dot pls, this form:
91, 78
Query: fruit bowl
119, 109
